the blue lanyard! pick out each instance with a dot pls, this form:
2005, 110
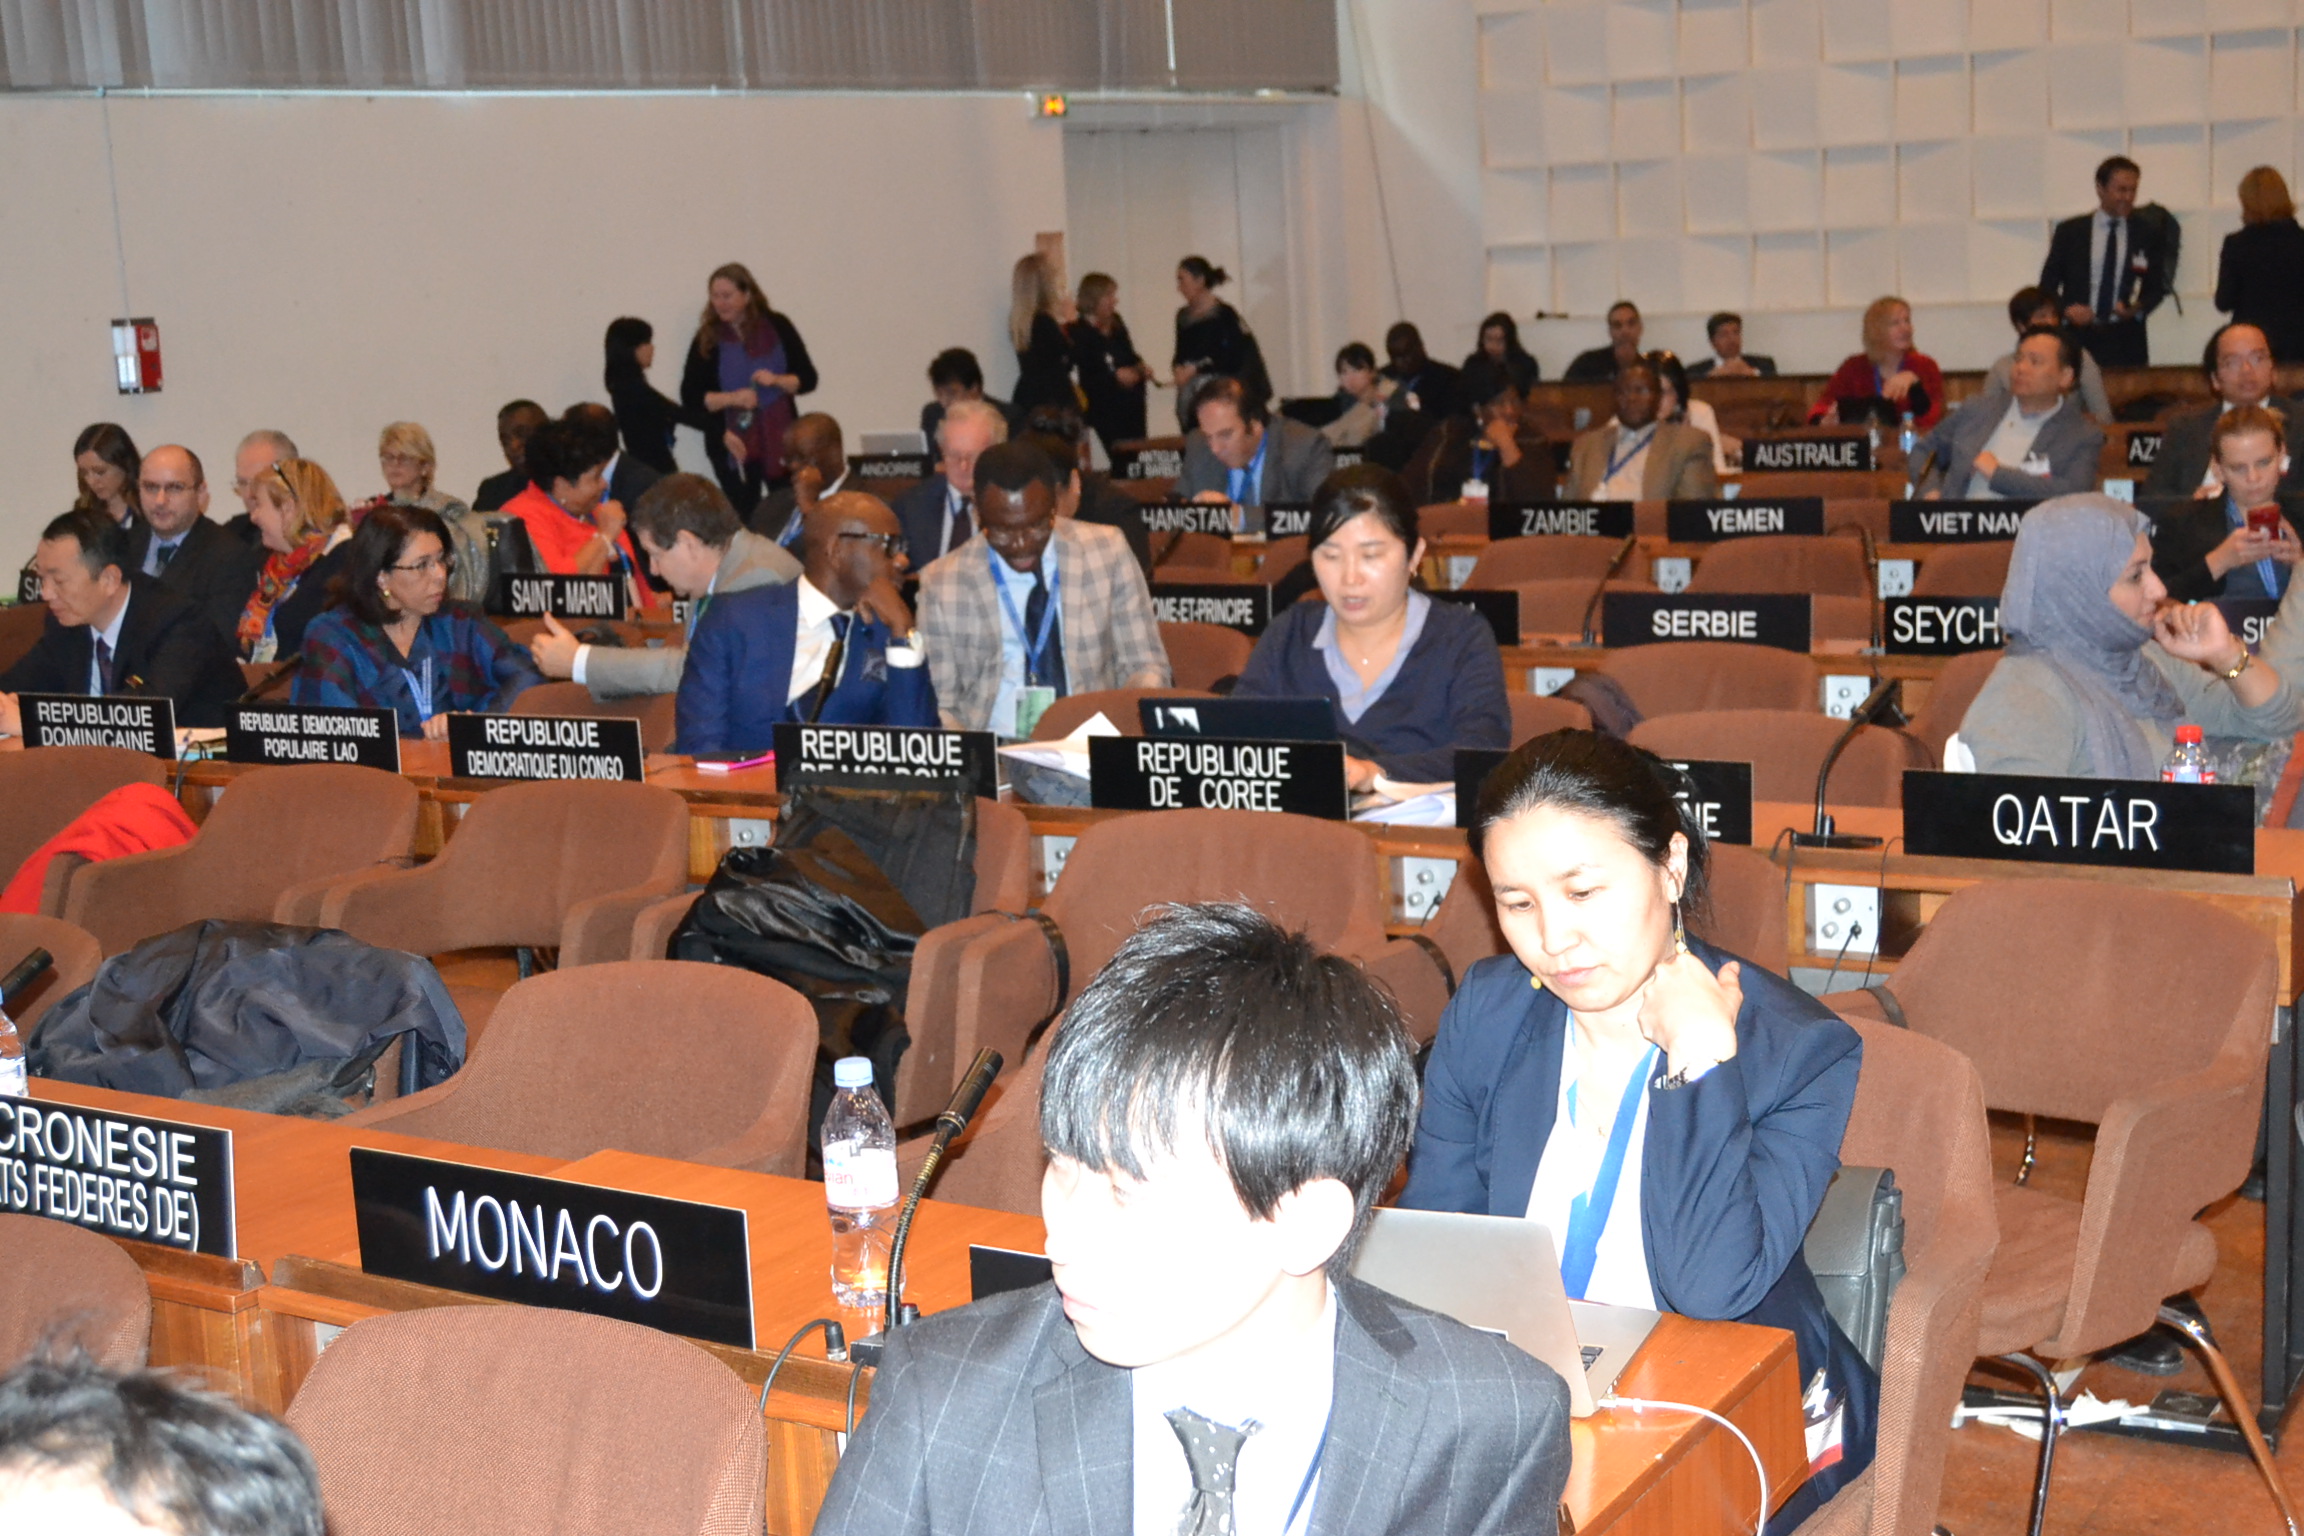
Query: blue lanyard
1034, 646
1311, 1471
1616, 463
421, 688
696, 609
1588, 1213
1243, 480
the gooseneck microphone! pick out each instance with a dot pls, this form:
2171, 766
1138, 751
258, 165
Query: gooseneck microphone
1876, 703
1592, 608
965, 1101
272, 679
28, 970
1871, 576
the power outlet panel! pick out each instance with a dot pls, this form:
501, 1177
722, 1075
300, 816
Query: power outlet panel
1418, 885
1672, 572
1843, 915
1896, 578
1843, 691
1550, 680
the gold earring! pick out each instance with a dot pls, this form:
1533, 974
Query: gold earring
1536, 982
1679, 934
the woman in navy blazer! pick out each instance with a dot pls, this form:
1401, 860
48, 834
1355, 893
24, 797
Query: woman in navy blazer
1412, 679
1610, 1066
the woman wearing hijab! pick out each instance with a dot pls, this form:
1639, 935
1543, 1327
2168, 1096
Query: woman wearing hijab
2101, 668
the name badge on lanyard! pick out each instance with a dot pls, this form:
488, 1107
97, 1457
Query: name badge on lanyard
421, 687
1636, 442
1034, 697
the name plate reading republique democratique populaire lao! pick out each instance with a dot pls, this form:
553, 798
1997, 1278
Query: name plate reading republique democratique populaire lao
313, 733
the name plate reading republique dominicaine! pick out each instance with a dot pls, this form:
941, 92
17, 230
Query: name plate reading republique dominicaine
1955, 522
313, 733
669, 1264
1709, 521
1940, 626
1719, 794
156, 1181
1532, 519
2133, 823
1224, 604
1790, 455
1140, 773
87, 720
885, 757
542, 747
563, 597
1746, 618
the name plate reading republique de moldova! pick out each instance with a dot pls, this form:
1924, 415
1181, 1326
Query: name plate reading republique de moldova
1955, 522
156, 1181
1718, 796
1501, 609
1711, 520
543, 747
1793, 455
1745, 618
313, 733
1940, 626
563, 597
1142, 773
1533, 519
90, 720
885, 757
1224, 604
2133, 823
671, 1264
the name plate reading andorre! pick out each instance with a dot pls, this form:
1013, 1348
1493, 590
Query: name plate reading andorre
1954, 522
1288, 519
156, 1181
2134, 823
1141, 773
2248, 616
865, 468
1649, 618
1533, 519
1709, 521
1796, 455
885, 757
1500, 609
542, 747
1147, 463
563, 597
1721, 798
1246, 609
312, 733
1162, 518
87, 720
2144, 449
669, 1264
1940, 626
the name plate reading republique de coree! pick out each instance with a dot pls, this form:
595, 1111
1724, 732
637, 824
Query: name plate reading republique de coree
313, 733
885, 757
1940, 626
1141, 773
1718, 794
563, 597
1955, 522
1709, 521
89, 720
156, 1181
543, 747
1536, 519
1744, 618
2133, 823
1228, 606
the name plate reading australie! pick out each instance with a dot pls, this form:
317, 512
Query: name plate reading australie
1708, 522
1795, 455
2144, 449
563, 597
1500, 609
156, 1181
1139, 773
1649, 618
1162, 518
669, 1264
2248, 616
865, 468
1719, 796
1955, 522
1147, 463
86, 720
1940, 626
542, 747
1246, 609
885, 757
1533, 519
2133, 823
1288, 519
313, 733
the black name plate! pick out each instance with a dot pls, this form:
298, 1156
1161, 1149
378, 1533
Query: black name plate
156, 1181
1708, 522
563, 597
885, 757
1718, 795
1246, 609
1289, 519
2144, 449
1500, 609
866, 468
1647, 618
1955, 522
313, 733
2248, 617
1940, 626
28, 585
113, 720
2133, 823
1795, 455
1533, 519
1145, 463
1141, 773
542, 747
1189, 517
669, 1264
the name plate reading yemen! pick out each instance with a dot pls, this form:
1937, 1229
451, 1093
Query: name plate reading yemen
1140, 773
1226, 604
1649, 618
1793, 455
1954, 522
1533, 519
312, 733
1718, 794
1288, 519
1500, 609
669, 1264
1940, 626
885, 757
865, 468
2134, 823
1709, 521
87, 720
563, 597
1167, 517
156, 1181
542, 747
2144, 449
1147, 463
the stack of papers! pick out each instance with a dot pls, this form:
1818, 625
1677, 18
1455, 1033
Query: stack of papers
1407, 805
1067, 756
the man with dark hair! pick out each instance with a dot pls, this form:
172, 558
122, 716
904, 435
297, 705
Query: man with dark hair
113, 630
1222, 1106
954, 375
1430, 388
2030, 441
2109, 269
576, 530
178, 545
1240, 452
2238, 362
513, 425
817, 455
2031, 306
1087, 494
1729, 360
623, 478
1601, 364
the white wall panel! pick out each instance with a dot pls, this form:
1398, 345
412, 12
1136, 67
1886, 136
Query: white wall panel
1648, 199
1512, 129
1855, 103
1787, 270
1642, 40
1994, 24
1576, 43
2253, 74
2075, 20
2085, 85
1715, 274
2011, 91
1714, 36
1940, 26
1933, 183
1647, 120
1784, 107
1859, 266
1583, 203
1576, 122
2167, 81
2167, 18
1716, 189
1787, 191
1512, 51
1857, 30
1584, 278
1785, 32
1716, 114
1859, 187
1932, 98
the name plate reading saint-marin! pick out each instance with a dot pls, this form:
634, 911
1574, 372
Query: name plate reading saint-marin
1940, 626
885, 757
1719, 794
1649, 618
1955, 522
542, 747
313, 733
1533, 519
156, 1181
2132, 823
669, 1264
563, 597
1792, 455
1224, 604
1141, 773
1709, 521
89, 720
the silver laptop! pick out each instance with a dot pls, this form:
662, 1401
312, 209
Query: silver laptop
891, 442
1502, 1274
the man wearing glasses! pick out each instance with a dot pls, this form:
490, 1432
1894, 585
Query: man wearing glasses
2238, 362
180, 547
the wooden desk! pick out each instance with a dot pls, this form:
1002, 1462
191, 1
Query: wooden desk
1918, 673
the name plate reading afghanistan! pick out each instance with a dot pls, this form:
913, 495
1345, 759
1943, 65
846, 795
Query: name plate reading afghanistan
1532, 519
542, 747
1793, 455
156, 1181
563, 597
313, 733
1141, 773
1225, 604
1649, 618
1147, 463
1168, 517
2132, 823
1709, 521
1940, 626
669, 1264
87, 720
885, 757
1954, 522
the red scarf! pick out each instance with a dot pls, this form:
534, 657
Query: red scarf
275, 581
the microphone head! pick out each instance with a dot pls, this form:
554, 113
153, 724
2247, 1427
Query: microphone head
969, 1096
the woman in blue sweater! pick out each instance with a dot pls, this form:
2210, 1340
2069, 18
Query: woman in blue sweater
1412, 679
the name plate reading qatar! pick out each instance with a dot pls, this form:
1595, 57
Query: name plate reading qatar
156, 1181
312, 733
1940, 626
1793, 455
2133, 823
885, 757
1224, 604
1534, 519
89, 720
543, 747
1649, 618
1708, 522
1139, 773
1955, 522
563, 597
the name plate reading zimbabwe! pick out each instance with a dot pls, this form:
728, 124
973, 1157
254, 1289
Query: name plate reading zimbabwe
1147, 463
156, 1181
669, 1264
563, 597
1500, 609
885, 757
1225, 604
1709, 521
1718, 795
1533, 519
2144, 449
1648, 618
542, 747
1954, 522
1141, 773
1940, 626
1167, 517
1288, 519
89, 720
2133, 823
2247, 617
313, 733
1795, 455
866, 468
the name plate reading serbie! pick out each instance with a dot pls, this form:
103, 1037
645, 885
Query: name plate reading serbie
1533, 519
563, 597
671, 1264
1744, 618
1940, 626
1718, 794
1288, 519
885, 757
2248, 617
1793, 455
2134, 823
1147, 463
1500, 609
1709, 521
865, 468
89, 720
1166, 517
156, 1181
1225, 604
1955, 522
312, 733
1142, 773
542, 747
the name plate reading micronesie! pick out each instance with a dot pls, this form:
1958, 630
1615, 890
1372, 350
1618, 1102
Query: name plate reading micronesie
1721, 800
1955, 522
1140, 773
156, 1181
866, 468
1940, 626
1709, 521
1225, 604
1288, 519
1162, 518
669, 1264
1795, 455
542, 747
1650, 618
885, 757
2144, 449
1147, 463
563, 597
2134, 823
87, 720
1500, 609
2248, 617
313, 733
1534, 519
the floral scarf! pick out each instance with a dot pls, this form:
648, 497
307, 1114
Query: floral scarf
275, 581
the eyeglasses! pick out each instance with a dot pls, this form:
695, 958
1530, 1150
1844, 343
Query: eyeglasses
894, 543
404, 460
171, 488
445, 564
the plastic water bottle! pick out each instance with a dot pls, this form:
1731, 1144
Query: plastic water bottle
2188, 764
15, 1078
1905, 436
859, 1185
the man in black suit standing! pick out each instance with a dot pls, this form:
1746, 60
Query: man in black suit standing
954, 375
2109, 269
179, 546
513, 424
1599, 365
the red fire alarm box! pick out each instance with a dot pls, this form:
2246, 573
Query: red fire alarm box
136, 355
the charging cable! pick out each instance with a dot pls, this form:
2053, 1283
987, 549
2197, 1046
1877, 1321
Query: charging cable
1637, 1404
835, 1349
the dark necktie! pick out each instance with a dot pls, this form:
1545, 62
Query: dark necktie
1050, 672
2108, 281
962, 526
162, 554
104, 663
1212, 1450
835, 663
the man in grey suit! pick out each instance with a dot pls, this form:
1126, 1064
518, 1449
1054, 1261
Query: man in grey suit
700, 549
1240, 452
1222, 1107
2030, 443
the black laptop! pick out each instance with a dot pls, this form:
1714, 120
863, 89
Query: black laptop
1236, 719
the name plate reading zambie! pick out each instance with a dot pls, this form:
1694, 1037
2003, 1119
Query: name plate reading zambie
2248, 617
1649, 618
2144, 448
1500, 609
1796, 455
156, 1181
1709, 521
1229, 606
885, 757
1940, 626
1142, 773
1288, 519
1954, 522
2133, 823
1719, 794
90, 720
866, 468
542, 747
312, 733
669, 1264
563, 597
1165, 517
1534, 519
1147, 463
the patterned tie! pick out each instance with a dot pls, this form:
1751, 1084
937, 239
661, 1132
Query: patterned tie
1213, 1452
835, 663
104, 663
1050, 672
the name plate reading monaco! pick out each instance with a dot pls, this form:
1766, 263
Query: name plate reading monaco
1141, 463
1954, 522
2134, 823
669, 1264
2248, 617
885, 757
155, 1181
1719, 794
2144, 449
1940, 626
89, 720
865, 468
1288, 519
1794, 455
1533, 519
1225, 604
563, 597
542, 747
313, 733
1500, 609
1166, 517
1709, 521
1649, 618
1143, 773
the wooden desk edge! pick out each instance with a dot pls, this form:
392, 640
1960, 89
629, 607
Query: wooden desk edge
1758, 1377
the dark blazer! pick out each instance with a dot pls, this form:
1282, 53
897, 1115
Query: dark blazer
1435, 389
646, 417
212, 570
1044, 369
498, 489
732, 690
1296, 460
2070, 278
293, 614
1484, 378
1103, 502
1444, 462
2068, 440
631, 481
167, 649
2185, 531
2184, 444
1597, 366
1763, 366
991, 1420
2260, 282
921, 512
1115, 410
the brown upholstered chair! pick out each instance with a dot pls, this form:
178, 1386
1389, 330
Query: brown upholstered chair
1785, 562
1174, 555
21, 626
1282, 556
1948, 699
62, 1287
40, 793
73, 948
1685, 675
274, 842
527, 1422
1535, 714
1451, 519
1831, 484
1117, 705
652, 710
1547, 557
1786, 747
1867, 512
1201, 654
1558, 607
1964, 570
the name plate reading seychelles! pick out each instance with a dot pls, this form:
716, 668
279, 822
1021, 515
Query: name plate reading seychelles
156, 1181
1167, 517
866, 468
1795, 455
1749, 618
1500, 609
1955, 522
1288, 519
2144, 449
2133, 823
1940, 626
2247, 617
1709, 521
669, 1264
90, 720
1534, 519
1141, 773
1225, 604
1719, 794
563, 597
542, 747
313, 733
1141, 463
885, 757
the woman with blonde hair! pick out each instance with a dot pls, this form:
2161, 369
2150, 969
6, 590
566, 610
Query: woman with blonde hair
301, 519
1038, 311
748, 365
2260, 274
410, 466
1112, 375
1888, 379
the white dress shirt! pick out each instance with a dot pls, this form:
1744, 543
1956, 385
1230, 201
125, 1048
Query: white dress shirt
1569, 1166
110, 635
812, 643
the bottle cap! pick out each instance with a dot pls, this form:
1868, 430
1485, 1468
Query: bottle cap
852, 1072
2188, 734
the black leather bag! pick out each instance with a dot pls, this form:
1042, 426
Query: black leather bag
1855, 1249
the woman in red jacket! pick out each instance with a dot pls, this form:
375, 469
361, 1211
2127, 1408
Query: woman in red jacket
1887, 369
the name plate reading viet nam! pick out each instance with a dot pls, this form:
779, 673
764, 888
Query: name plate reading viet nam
1141, 463
313, 733
1533, 519
1140, 773
132, 1176
885, 757
1940, 626
2135, 823
1500, 609
1794, 455
1224, 604
867, 468
542, 747
1709, 521
90, 720
563, 597
669, 1264
1649, 618
1954, 522
1718, 794
1165, 518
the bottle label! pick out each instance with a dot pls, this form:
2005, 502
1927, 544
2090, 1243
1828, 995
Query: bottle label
15, 1078
859, 1178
